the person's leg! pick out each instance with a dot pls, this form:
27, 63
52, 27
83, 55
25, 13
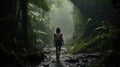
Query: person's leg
59, 50
56, 51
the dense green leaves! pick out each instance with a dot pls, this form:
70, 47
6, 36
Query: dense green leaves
40, 3
24, 30
40, 32
96, 30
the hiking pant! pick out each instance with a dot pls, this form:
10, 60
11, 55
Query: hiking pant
58, 45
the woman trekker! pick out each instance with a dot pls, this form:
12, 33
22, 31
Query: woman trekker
58, 41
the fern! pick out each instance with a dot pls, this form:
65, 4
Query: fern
41, 4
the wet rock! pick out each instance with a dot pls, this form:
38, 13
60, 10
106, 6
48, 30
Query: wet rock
53, 61
67, 60
92, 56
80, 56
46, 60
45, 64
72, 60
85, 60
78, 64
47, 52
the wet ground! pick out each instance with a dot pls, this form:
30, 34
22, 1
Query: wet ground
66, 60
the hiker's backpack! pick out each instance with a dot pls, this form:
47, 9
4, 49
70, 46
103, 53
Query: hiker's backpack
58, 37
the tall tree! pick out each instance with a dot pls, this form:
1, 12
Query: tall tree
24, 18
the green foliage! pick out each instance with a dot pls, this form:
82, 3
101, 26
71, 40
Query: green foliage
40, 32
40, 3
19, 38
97, 39
89, 29
39, 23
40, 41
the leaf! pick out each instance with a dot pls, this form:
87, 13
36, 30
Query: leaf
40, 41
41, 4
100, 28
40, 32
89, 19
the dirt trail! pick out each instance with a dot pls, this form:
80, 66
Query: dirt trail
66, 60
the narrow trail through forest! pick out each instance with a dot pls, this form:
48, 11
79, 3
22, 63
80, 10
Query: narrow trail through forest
66, 60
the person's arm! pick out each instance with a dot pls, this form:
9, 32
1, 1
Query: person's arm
62, 39
54, 39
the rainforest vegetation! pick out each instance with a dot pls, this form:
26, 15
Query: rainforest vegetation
88, 26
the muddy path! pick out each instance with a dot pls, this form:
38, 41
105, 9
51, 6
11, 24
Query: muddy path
66, 60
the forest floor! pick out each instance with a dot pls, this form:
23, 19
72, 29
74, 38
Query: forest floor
66, 59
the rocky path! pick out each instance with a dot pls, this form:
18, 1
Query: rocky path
66, 60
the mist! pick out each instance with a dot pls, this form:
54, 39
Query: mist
61, 17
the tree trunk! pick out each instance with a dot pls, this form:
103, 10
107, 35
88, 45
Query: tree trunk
24, 18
